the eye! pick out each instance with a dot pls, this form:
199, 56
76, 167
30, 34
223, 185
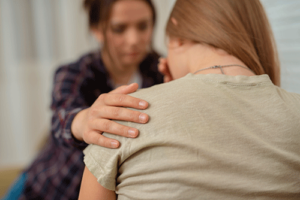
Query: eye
118, 29
143, 26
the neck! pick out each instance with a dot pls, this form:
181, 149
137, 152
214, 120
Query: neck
120, 74
210, 57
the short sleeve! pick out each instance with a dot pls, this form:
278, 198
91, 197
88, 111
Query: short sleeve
103, 164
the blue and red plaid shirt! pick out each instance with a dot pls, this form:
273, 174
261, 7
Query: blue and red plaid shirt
56, 173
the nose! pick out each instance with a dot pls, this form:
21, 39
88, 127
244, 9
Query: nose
133, 37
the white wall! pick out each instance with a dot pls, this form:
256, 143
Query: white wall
284, 16
163, 8
38, 35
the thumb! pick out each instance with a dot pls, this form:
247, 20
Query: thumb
126, 89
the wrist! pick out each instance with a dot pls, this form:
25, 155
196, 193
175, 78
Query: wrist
77, 127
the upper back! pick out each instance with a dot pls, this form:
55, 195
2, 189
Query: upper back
215, 137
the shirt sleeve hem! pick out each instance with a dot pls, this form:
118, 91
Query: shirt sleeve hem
67, 129
106, 181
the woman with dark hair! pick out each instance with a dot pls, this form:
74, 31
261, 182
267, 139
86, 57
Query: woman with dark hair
227, 130
84, 99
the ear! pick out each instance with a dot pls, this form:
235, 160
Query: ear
98, 34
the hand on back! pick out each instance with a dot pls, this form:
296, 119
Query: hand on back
89, 124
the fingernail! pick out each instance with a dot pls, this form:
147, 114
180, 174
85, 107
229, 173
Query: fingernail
143, 117
142, 103
132, 133
114, 144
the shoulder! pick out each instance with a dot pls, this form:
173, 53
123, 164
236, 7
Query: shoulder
290, 98
164, 100
161, 91
285, 94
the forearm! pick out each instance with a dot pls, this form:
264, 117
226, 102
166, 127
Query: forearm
67, 102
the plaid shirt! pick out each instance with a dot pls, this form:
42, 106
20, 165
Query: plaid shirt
56, 173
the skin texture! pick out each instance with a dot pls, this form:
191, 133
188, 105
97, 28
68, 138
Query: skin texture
126, 41
92, 190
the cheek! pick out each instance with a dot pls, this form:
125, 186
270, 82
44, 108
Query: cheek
114, 42
144, 40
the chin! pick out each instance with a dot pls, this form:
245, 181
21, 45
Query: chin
128, 63
133, 61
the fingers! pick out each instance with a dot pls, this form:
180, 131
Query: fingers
164, 69
123, 114
162, 66
123, 100
96, 138
115, 128
126, 89
167, 79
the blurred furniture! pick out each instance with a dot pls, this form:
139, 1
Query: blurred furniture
7, 177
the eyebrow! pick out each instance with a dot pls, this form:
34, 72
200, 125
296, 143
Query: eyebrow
125, 24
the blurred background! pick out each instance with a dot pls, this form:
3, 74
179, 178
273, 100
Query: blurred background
36, 36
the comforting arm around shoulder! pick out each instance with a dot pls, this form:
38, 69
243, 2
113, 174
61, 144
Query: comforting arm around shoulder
91, 189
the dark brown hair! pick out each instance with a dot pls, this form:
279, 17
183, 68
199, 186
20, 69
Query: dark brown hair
99, 10
240, 27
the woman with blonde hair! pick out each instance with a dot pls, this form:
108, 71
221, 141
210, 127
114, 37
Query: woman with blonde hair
222, 129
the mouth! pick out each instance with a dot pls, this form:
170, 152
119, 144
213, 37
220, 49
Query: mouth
133, 54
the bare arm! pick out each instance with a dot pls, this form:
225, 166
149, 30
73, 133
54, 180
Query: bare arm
92, 190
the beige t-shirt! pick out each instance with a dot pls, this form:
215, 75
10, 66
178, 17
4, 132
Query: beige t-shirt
209, 137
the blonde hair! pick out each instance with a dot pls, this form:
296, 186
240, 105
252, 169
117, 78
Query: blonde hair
240, 27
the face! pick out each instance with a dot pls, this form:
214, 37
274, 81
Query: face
128, 32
